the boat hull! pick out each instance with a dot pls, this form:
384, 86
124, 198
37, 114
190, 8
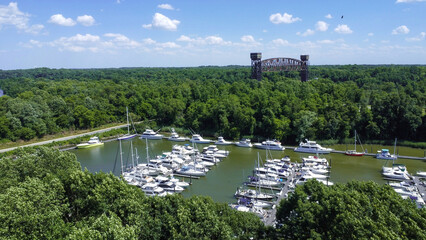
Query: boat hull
266, 147
302, 150
126, 137
354, 154
86, 145
151, 137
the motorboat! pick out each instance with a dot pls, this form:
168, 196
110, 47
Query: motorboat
178, 182
127, 135
191, 170
170, 187
93, 142
269, 145
354, 152
304, 179
312, 147
396, 174
395, 167
316, 170
314, 160
385, 154
213, 150
244, 143
248, 202
151, 134
152, 189
176, 138
402, 184
253, 194
196, 138
222, 141
421, 174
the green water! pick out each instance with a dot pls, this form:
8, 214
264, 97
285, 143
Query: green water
222, 180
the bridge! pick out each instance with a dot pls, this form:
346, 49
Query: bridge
278, 64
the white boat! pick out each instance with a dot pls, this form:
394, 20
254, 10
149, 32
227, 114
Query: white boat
311, 161
178, 182
127, 135
396, 174
421, 174
253, 194
93, 142
196, 138
316, 170
152, 189
270, 145
385, 154
221, 141
244, 143
151, 134
402, 184
354, 152
311, 147
176, 138
190, 170
170, 187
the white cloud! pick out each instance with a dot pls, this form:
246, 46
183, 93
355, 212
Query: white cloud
277, 18
308, 32
61, 20
401, 30
209, 40
162, 22
168, 45
280, 42
343, 29
409, 1
11, 15
119, 40
166, 6
326, 41
370, 34
328, 16
86, 20
248, 39
421, 37
321, 26
149, 41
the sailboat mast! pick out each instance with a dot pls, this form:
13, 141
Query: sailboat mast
131, 150
355, 140
121, 158
127, 114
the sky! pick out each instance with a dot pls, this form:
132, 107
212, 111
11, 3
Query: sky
189, 33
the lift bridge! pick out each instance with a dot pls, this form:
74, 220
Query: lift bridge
278, 64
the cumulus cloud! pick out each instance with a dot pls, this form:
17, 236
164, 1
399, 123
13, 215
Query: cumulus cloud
162, 22
247, 39
401, 30
308, 32
209, 40
166, 6
86, 20
59, 19
10, 15
421, 37
370, 34
280, 42
328, 16
321, 26
343, 29
119, 40
277, 18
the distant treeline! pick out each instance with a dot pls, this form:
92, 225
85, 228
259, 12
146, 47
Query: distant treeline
380, 102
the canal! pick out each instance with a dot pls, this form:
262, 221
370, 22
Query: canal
222, 180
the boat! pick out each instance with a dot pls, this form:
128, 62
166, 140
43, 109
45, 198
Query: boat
176, 138
222, 141
312, 161
269, 145
93, 142
150, 134
127, 135
354, 152
421, 174
152, 189
196, 138
385, 154
244, 143
311, 147
253, 194
191, 170
396, 174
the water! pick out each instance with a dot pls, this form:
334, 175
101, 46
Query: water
222, 180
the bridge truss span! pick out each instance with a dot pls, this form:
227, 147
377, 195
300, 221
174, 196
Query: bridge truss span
283, 64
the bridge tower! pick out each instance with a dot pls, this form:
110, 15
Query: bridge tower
256, 66
304, 73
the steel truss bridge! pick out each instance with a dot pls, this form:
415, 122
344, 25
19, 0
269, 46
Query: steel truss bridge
278, 64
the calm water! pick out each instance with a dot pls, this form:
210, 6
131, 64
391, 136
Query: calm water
222, 180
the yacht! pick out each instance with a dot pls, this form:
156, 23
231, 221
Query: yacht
385, 154
269, 145
253, 194
244, 143
150, 134
312, 147
396, 174
93, 142
152, 189
176, 138
196, 138
221, 141
190, 170
421, 174
312, 161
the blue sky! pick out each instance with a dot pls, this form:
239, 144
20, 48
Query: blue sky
130, 33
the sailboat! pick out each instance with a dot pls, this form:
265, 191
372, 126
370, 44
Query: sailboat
127, 135
354, 152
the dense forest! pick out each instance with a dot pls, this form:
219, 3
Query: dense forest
380, 102
45, 195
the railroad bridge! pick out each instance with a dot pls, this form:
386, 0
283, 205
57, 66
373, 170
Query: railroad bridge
278, 64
